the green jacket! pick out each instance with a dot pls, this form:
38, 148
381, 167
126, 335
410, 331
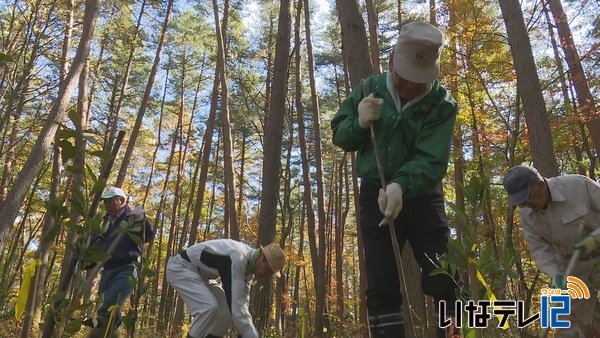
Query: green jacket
414, 145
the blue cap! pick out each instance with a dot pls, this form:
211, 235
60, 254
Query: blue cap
516, 183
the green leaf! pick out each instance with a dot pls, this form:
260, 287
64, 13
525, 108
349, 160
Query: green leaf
74, 116
65, 134
56, 208
73, 326
5, 58
68, 150
99, 186
435, 272
95, 255
94, 224
51, 233
102, 155
92, 173
135, 238
78, 208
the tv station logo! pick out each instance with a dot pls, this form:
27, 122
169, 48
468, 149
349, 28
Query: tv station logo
553, 304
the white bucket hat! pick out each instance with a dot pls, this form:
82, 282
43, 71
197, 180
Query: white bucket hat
417, 52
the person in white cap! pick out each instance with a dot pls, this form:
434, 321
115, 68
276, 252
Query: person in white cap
413, 117
559, 215
213, 279
119, 270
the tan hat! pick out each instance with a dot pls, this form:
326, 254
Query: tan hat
112, 192
275, 257
417, 52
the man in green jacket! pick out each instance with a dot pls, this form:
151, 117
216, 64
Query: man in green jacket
413, 117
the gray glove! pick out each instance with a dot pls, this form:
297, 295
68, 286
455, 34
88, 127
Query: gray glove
137, 215
368, 110
587, 245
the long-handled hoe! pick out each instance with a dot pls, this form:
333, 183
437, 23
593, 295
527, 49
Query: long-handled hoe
390, 222
572, 262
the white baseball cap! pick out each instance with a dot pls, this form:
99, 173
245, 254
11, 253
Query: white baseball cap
112, 192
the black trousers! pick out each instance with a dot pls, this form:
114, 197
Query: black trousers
423, 223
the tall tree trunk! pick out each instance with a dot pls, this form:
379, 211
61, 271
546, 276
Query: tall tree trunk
194, 183
318, 152
38, 289
177, 193
68, 272
205, 152
574, 123
120, 87
59, 108
363, 316
242, 214
146, 98
287, 215
271, 171
341, 213
167, 293
19, 94
231, 215
457, 145
585, 99
296, 303
78, 186
530, 91
355, 53
373, 36
154, 309
317, 258
354, 41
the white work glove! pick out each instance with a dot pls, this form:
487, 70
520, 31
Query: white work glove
137, 215
390, 202
587, 245
368, 110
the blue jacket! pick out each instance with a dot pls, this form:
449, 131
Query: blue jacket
128, 250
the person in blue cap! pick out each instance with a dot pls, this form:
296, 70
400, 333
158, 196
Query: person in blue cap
559, 215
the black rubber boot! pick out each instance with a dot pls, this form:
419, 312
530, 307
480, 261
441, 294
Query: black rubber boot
387, 324
212, 336
100, 332
440, 333
449, 318
100, 327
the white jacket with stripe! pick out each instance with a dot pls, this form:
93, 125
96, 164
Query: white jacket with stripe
229, 260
